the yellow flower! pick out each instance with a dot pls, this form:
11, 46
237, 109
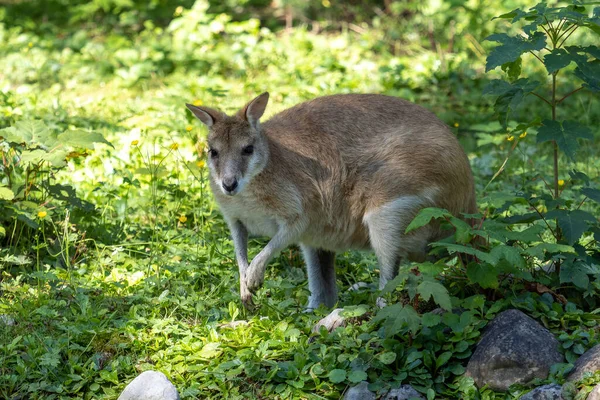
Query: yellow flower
174, 146
561, 182
42, 214
135, 142
510, 138
176, 258
182, 219
197, 102
189, 128
30, 44
326, 3
522, 135
456, 124
200, 163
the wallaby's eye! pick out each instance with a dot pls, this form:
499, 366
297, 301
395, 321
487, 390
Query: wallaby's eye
248, 150
213, 153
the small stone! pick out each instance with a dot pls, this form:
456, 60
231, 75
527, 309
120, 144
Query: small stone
588, 362
404, 392
514, 348
7, 320
546, 392
595, 393
360, 392
150, 385
330, 322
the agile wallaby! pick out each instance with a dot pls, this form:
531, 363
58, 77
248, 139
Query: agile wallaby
331, 174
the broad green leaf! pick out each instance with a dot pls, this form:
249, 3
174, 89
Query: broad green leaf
425, 216
2, 232
510, 95
396, 317
337, 375
6, 194
387, 357
452, 247
483, 275
576, 272
565, 135
513, 69
572, 223
430, 319
210, 350
354, 311
82, 139
589, 73
511, 48
593, 194
539, 250
357, 376
57, 157
510, 254
463, 230
443, 358
440, 294
557, 59
30, 132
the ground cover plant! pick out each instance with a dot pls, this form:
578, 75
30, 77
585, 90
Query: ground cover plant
114, 259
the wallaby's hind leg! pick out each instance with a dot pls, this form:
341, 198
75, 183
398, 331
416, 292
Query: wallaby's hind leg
321, 276
386, 226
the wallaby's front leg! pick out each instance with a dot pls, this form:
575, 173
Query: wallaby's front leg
286, 235
239, 234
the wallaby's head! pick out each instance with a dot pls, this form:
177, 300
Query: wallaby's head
237, 147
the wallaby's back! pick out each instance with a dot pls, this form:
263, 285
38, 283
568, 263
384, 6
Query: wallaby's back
350, 154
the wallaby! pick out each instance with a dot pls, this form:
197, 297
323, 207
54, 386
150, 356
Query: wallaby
335, 173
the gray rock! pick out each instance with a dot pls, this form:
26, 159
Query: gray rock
7, 320
595, 393
546, 392
150, 385
360, 392
404, 392
513, 349
588, 362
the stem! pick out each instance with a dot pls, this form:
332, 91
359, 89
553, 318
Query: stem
568, 94
553, 104
545, 101
565, 39
536, 56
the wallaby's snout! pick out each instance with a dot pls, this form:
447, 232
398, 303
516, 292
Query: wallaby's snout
229, 184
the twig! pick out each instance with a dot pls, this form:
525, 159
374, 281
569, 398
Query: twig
542, 98
568, 94
569, 35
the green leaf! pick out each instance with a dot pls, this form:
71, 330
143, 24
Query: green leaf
576, 272
557, 59
572, 223
510, 95
354, 311
210, 350
2, 232
429, 288
30, 132
396, 317
593, 194
82, 139
511, 48
510, 254
589, 73
443, 359
565, 135
387, 357
425, 216
452, 247
6, 193
540, 249
463, 230
484, 275
513, 69
337, 375
57, 157
429, 319
357, 376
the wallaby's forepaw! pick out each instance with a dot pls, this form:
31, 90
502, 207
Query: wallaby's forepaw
253, 279
246, 296
330, 322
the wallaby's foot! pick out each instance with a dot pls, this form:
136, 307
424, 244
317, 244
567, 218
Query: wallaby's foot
246, 296
254, 276
330, 322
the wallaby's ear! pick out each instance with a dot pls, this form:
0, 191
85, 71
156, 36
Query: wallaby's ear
208, 116
254, 109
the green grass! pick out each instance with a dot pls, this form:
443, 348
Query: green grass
147, 279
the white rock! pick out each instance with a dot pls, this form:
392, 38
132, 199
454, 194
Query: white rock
360, 392
150, 385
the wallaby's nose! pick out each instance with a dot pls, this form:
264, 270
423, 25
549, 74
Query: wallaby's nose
230, 184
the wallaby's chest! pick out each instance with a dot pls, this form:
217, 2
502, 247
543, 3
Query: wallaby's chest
256, 218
